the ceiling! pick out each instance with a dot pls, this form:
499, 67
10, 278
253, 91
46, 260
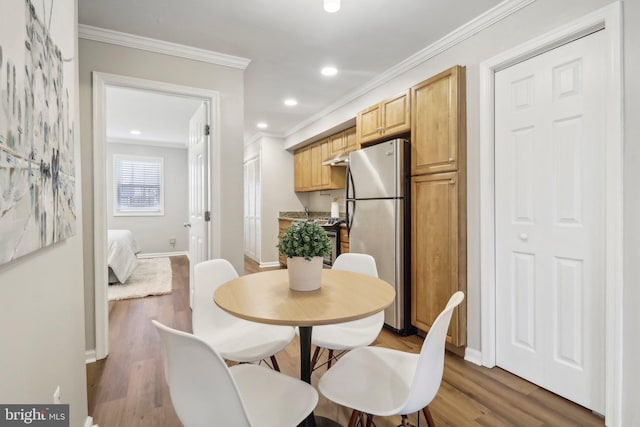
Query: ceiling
289, 41
160, 118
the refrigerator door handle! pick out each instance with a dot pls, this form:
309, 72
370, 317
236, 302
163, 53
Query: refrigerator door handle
350, 214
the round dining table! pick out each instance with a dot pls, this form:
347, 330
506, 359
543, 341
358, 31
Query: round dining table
343, 296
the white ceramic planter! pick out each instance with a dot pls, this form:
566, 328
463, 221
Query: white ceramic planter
304, 275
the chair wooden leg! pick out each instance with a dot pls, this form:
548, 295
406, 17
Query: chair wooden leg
353, 421
369, 420
427, 415
274, 363
314, 359
330, 359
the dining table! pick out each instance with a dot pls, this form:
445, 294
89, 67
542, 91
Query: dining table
343, 296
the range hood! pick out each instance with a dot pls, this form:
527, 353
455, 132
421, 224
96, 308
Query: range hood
340, 159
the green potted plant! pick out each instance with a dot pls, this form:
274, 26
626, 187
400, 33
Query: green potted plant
304, 244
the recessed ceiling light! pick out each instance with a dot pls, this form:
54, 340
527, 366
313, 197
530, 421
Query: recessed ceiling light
331, 5
329, 71
290, 102
135, 132
262, 125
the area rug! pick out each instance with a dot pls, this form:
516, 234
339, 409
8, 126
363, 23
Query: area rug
151, 277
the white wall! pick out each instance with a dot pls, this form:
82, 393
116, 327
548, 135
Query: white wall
276, 172
228, 82
41, 294
537, 18
631, 322
152, 233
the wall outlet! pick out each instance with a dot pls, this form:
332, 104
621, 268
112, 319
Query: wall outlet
172, 241
56, 396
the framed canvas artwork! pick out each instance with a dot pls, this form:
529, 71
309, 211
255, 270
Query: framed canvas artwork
37, 126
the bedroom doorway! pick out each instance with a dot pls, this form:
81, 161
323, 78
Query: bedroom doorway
141, 145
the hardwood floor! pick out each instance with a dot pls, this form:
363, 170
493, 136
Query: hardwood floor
128, 388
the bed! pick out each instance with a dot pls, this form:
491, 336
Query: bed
121, 255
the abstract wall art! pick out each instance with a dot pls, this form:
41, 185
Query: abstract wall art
37, 128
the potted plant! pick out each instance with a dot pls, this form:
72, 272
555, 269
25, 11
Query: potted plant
304, 244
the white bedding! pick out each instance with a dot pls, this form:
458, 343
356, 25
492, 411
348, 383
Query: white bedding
121, 254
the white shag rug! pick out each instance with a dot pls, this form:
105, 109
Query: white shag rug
151, 277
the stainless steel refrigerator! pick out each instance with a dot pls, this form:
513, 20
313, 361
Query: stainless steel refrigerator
376, 204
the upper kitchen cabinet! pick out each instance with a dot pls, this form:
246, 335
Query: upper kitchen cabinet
309, 174
438, 126
386, 119
302, 169
343, 142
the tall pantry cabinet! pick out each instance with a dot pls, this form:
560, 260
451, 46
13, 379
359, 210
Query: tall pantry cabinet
438, 204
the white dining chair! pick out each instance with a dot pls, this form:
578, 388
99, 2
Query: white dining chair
233, 338
376, 381
349, 335
206, 392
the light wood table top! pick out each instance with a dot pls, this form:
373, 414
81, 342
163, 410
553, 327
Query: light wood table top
265, 297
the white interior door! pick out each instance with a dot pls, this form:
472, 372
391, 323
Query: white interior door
252, 196
198, 191
550, 241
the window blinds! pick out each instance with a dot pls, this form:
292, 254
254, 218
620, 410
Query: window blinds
139, 185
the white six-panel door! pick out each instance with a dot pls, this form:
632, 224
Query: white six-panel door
549, 175
198, 191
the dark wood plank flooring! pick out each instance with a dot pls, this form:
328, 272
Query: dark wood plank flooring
128, 388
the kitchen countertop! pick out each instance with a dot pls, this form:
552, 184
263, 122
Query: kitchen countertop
297, 216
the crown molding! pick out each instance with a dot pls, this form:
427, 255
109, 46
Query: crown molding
148, 142
152, 45
476, 25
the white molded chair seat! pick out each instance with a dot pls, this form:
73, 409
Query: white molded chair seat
206, 392
233, 338
381, 382
357, 333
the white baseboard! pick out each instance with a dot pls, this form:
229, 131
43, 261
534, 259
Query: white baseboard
474, 356
162, 254
269, 264
89, 422
90, 356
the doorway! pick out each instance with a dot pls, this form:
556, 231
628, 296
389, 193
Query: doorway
101, 82
608, 20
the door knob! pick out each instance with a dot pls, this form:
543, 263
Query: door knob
524, 237
186, 225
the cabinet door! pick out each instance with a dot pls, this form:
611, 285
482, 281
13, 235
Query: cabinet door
438, 130
337, 143
325, 178
298, 167
435, 253
316, 166
368, 124
351, 143
306, 169
396, 113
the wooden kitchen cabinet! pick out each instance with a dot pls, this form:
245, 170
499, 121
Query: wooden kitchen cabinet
282, 225
351, 140
309, 174
302, 169
344, 240
438, 125
386, 119
438, 250
338, 143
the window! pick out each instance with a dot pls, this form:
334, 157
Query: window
138, 186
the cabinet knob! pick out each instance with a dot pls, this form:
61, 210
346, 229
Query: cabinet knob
452, 182
451, 160
524, 237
